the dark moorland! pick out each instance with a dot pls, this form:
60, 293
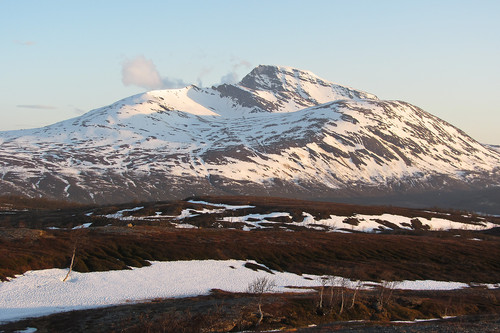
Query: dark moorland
26, 243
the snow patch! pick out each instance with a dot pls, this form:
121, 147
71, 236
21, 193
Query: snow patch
42, 292
226, 206
119, 214
83, 226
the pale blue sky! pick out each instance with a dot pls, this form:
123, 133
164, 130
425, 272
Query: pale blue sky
60, 59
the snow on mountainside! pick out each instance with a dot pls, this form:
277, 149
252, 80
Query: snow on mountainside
280, 131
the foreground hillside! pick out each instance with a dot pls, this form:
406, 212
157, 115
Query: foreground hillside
441, 263
369, 243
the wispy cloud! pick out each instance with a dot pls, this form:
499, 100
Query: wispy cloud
172, 83
37, 106
77, 110
229, 78
241, 63
232, 76
25, 43
203, 73
142, 72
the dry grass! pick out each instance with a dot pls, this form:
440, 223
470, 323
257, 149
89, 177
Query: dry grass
362, 256
223, 312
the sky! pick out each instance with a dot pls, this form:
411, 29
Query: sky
60, 59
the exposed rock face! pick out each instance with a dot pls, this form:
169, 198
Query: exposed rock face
280, 132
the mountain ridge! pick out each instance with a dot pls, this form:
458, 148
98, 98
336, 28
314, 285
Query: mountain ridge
280, 131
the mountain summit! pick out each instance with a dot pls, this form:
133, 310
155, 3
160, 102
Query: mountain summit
280, 131
298, 85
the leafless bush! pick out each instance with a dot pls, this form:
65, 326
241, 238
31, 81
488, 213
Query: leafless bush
323, 281
341, 292
344, 283
385, 292
78, 236
258, 287
355, 291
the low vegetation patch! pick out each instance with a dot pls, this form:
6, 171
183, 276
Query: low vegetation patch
360, 256
224, 312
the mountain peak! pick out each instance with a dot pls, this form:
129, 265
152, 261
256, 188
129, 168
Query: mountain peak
300, 85
268, 77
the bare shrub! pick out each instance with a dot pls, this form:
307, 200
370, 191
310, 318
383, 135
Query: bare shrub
78, 236
355, 291
385, 292
71, 264
259, 287
323, 281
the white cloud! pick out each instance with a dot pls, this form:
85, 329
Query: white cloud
142, 72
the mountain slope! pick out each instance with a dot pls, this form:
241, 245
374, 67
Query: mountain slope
280, 131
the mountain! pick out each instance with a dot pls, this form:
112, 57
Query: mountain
279, 132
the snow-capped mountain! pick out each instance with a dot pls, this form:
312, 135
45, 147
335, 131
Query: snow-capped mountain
280, 131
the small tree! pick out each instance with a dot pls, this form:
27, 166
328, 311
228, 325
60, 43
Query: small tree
323, 282
78, 237
344, 283
333, 282
356, 288
258, 287
385, 292
72, 262
340, 290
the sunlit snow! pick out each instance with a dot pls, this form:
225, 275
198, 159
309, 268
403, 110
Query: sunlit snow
339, 137
38, 293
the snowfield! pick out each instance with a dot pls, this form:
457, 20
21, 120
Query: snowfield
39, 293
